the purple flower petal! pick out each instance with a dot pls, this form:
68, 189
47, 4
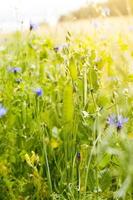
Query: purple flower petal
3, 111
33, 26
15, 69
117, 121
38, 91
111, 120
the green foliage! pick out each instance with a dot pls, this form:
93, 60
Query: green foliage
58, 144
68, 107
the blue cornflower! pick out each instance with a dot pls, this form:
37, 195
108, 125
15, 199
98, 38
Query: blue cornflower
120, 122
60, 47
33, 26
117, 121
38, 91
3, 111
57, 48
111, 120
15, 69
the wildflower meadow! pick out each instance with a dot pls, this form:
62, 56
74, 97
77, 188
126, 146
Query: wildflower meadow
66, 116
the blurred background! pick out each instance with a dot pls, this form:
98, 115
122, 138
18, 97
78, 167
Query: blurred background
17, 14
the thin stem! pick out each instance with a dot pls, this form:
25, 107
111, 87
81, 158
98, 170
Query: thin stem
85, 87
89, 161
47, 165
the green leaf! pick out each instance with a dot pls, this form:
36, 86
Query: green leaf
105, 180
68, 105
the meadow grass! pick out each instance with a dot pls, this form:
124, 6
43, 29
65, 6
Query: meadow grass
66, 116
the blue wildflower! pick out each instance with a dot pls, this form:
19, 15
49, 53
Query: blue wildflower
117, 121
120, 122
15, 69
3, 111
38, 92
33, 26
60, 47
57, 48
111, 120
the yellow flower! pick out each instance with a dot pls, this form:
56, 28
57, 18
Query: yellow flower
27, 158
32, 160
55, 143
